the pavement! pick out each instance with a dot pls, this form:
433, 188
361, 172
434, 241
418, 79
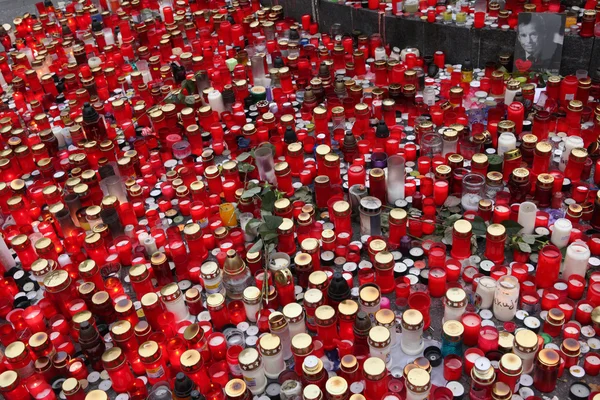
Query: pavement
10, 9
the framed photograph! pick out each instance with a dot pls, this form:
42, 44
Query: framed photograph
539, 43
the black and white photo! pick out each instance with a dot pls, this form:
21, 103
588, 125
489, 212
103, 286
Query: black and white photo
539, 42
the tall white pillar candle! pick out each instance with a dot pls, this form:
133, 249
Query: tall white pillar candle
527, 213
561, 232
215, 100
576, 260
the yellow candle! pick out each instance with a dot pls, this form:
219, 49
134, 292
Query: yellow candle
227, 214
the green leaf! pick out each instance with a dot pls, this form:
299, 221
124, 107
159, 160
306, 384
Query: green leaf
512, 227
243, 157
273, 222
303, 194
256, 247
449, 221
270, 236
452, 201
479, 226
454, 210
268, 201
189, 86
252, 226
245, 167
248, 193
270, 248
448, 235
524, 247
529, 239
189, 101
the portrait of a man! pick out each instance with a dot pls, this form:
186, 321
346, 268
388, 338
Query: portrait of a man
539, 41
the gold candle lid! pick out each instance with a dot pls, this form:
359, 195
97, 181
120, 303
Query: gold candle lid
379, 337
548, 357
336, 386
412, 320
418, 380
526, 341
312, 392
374, 368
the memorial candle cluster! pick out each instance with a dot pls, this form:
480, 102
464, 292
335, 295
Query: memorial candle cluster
197, 195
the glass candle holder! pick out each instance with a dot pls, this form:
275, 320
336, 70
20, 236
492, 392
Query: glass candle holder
395, 178
506, 298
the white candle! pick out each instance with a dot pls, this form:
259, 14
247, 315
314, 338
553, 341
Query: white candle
6, 257
380, 53
486, 287
506, 298
576, 260
527, 213
571, 143
109, 37
507, 141
215, 100
561, 232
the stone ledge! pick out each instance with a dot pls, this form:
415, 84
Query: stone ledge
459, 43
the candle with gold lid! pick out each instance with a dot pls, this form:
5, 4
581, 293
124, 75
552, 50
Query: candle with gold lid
418, 384
270, 348
312, 392
375, 374
236, 390
387, 318
369, 299
510, 369
546, 370
411, 340
455, 304
336, 388
525, 346
294, 314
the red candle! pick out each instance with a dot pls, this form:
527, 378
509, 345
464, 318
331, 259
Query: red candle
471, 355
124, 247
488, 339
549, 300
34, 318
571, 330
501, 213
440, 192
453, 268
437, 282
472, 324
583, 312
453, 367
591, 364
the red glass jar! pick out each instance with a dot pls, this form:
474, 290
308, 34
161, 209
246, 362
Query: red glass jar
545, 374
285, 233
376, 378
19, 360
24, 249
192, 364
326, 322
218, 311
461, 240
510, 369
384, 271
11, 386
397, 222
59, 290
543, 190
495, 242
139, 276
575, 164
302, 347
156, 365
116, 365
341, 216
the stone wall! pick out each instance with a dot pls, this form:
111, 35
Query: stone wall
458, 43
